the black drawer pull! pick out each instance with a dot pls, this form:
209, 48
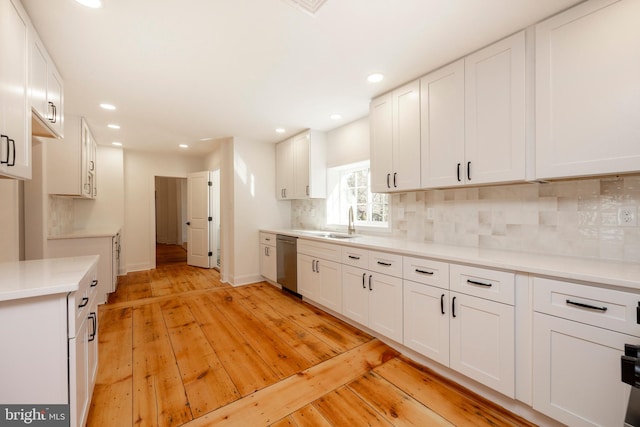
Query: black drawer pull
94, 283
370, 287
442, 303
363, 276
473, 282
354, 257
386, 264
85, 301
453, 307
590, 307
430, 273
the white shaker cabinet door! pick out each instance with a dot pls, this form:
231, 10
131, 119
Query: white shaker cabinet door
381, 124
426, 320
495, 109
406, 137
355, 294
482, 334
385, 305
576, 372
442, 126
588, 90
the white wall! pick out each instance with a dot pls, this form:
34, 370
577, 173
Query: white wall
348, 143
140, 170
254, 207
9, 220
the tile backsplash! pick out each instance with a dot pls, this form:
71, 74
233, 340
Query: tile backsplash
60, 215
576, 217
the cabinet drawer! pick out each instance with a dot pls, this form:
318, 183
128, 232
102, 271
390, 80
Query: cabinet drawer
385, 263
321, 250
355, 256
604, 308
484, 283
267, 239
426, 271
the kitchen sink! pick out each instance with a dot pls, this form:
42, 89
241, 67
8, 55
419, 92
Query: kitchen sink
327, 234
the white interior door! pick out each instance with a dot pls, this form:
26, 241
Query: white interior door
198, 214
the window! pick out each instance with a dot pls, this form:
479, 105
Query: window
349, 186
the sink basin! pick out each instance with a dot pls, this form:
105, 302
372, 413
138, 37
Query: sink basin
328, 234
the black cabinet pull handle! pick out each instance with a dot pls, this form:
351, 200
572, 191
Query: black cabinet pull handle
94, 283
442, 303
430, 273
395, 174
94, 321
55, 113
370, 287
317, 266
313, 265
13, 159
354, 257
85, 301
363, 276
388, 177
458, 173
188, 222
473, 282
468, 171
590, 307
50, 118
453, 306
385, 264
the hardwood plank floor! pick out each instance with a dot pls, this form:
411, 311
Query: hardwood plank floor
200, 353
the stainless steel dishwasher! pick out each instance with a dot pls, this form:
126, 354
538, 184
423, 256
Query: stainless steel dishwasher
287, 254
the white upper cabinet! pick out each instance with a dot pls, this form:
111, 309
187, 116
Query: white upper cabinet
45, 91
71, 162
15, 138
301, 166
442, 128
473, 118
395, 140
495, 110
584, 126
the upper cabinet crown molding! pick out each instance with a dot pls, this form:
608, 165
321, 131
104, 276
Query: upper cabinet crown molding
15, 127
588, 90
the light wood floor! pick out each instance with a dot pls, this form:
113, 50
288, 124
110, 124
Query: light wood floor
177, 347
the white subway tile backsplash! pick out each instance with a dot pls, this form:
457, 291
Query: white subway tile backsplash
574, 217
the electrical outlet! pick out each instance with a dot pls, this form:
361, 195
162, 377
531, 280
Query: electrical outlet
628, 216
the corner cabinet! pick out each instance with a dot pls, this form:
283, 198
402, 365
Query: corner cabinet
395, 140
72, 163
15, 129
45, 91
301, 166
473, 118
588, 90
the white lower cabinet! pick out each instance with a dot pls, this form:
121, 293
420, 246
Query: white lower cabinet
579, 333
320, 273
466, 327
373, 300
268, 258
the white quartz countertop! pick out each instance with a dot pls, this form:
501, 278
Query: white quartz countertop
87, 233
612, 273
25, 279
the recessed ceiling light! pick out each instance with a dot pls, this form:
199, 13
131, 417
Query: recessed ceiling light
183, 146
205, 139
117, 144
107, 106
94, 4
280, 130
113, 126
375, 78
336, 117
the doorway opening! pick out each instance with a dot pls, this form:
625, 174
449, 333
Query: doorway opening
171, 214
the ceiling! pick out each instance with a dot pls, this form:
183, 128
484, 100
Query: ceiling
179, 71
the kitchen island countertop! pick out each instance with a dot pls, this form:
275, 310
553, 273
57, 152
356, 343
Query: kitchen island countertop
597, 271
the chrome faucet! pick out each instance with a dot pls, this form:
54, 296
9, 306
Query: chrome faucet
351, 229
